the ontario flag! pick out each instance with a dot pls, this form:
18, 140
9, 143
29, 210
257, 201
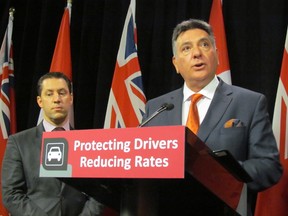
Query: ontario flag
61, 61
217, 22
126, 103
7, 96
274, 200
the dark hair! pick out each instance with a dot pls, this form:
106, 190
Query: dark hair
50, 75
191, 24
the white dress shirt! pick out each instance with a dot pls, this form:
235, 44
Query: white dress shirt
49, 127
203, 104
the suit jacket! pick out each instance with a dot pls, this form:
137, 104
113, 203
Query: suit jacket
25, 193
252, 143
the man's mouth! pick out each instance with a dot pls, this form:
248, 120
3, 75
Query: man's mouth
57, 108
199, 66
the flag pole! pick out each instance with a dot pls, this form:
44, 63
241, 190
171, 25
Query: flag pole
11, 12
69, 6
69, 3
9, 32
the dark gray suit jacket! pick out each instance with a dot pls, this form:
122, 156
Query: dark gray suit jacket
25, 193
253, 144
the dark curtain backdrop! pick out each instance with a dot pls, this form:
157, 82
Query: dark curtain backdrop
255, 33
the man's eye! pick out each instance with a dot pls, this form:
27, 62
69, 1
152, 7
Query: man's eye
62, 93
205, 45
186, 49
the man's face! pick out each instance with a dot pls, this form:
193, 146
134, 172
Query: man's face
196, 59
55, 100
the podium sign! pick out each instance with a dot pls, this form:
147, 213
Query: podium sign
149, 152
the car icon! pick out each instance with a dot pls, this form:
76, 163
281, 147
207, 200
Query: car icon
54, 153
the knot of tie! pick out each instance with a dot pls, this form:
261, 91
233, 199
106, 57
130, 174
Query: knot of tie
58, 129
193, 117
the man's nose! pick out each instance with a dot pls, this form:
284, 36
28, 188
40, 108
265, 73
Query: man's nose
56, 97
196, 52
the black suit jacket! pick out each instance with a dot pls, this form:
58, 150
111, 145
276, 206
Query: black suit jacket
25, 193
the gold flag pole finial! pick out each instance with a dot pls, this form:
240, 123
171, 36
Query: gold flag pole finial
11, 11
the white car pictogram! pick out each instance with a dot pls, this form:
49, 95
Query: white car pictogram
54, 153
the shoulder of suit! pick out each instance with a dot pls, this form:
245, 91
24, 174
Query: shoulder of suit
170, 94
241, 90
245, 90
26, 132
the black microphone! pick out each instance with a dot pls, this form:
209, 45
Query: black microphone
165, 106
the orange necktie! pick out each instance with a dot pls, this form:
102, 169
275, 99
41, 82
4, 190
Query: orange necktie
193, 117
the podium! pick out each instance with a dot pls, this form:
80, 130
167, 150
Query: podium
170, 170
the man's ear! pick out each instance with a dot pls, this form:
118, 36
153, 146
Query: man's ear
39, 101
72, 98
217, 55
174, 61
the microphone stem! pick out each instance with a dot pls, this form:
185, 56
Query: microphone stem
161, 109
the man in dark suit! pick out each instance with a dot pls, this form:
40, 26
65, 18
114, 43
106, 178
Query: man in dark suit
231, 117
24, 192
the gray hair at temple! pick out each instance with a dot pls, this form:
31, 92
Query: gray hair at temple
188, 25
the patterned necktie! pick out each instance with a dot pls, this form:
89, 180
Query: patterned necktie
58, 129
193, 117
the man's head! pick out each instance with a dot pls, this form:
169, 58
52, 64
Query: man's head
55, 97
194, 53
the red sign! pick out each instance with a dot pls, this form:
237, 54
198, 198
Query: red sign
148, 152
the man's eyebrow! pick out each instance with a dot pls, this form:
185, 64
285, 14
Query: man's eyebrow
186, 43
190, 42
61, 89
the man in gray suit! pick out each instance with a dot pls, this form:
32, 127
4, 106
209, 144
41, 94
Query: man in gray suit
24, 192
231, 117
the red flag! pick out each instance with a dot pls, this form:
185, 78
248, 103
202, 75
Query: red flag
61, 61
274, 200
217, 22
7, 96
126, 103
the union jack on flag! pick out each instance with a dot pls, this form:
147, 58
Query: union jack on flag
7, 106
7, 97
126, 103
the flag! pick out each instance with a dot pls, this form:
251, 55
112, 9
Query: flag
273, 201
217, 22
126, 103
7, 96
61, 61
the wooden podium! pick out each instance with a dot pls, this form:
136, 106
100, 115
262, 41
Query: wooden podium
182, 176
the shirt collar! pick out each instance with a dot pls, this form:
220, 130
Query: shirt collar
49, 127
208, 91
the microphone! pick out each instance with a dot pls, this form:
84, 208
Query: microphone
165, 106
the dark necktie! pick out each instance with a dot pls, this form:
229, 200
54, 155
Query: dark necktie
60, 184
58, 129
193, 117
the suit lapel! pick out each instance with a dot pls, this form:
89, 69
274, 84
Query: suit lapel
175, 115
38, 138
218, 107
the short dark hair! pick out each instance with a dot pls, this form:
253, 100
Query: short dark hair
191, 24
50, 75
